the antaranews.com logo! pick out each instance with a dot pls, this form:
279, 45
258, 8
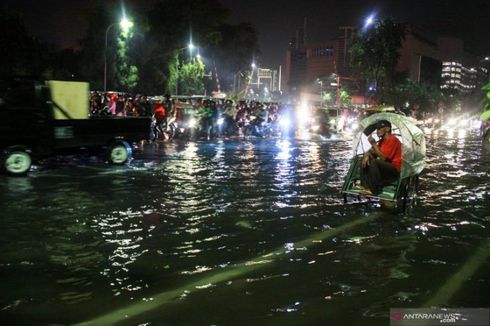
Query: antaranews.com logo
439, 316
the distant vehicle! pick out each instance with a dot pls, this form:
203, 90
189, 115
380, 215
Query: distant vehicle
403, 192
39, 119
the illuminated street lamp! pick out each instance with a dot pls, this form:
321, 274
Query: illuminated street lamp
125, 25
369, 21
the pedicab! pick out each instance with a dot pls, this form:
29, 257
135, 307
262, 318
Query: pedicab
402, 193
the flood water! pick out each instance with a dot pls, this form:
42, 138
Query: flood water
240, 232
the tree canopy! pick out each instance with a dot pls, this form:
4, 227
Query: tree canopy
374, 54
150, 58
21, 53
411, 92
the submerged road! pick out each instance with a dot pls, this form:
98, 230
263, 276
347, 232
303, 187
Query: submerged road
243, 232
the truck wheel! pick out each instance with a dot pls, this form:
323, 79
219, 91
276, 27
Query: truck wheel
16, 162
119, 152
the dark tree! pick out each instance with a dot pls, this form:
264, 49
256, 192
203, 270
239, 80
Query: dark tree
235, 53
374, 54
93, 45
412, 92
21, 53
171, 25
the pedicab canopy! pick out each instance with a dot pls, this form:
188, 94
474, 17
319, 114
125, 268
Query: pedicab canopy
486, 103
485, 116
411, 137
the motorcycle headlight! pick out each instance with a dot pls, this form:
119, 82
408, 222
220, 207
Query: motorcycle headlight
285, 123
192, 123
221, 121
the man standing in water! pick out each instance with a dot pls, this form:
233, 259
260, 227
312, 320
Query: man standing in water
381, 165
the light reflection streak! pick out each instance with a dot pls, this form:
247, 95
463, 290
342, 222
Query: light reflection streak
123, 230
285, 148
198, 270
220, 151
248, 167
235, 271
283, 172
453, 284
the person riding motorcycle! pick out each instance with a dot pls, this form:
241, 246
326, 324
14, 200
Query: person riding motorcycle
262, 114
207, 114
258, 123
159, 120
229, 114
323, 120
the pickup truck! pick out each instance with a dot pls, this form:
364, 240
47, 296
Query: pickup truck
39, 119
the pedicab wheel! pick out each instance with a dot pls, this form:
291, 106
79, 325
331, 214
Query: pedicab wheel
16, 161
486, 137
408, 196
119, 153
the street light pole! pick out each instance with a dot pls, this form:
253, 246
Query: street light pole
105, 56
125, 25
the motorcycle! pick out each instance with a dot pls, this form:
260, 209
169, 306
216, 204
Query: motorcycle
189, 127
226, 126
255, 126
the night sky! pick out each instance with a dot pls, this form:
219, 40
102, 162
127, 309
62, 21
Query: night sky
60, 21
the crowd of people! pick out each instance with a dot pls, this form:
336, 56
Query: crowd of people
212, 117
235, 115
119, 104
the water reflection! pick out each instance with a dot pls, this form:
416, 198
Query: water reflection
204, 226
283, 173
18, 185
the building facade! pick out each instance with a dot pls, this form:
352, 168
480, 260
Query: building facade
460, 79
424, 57
314, 67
